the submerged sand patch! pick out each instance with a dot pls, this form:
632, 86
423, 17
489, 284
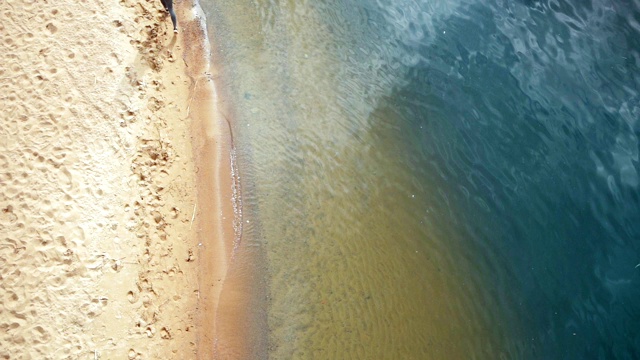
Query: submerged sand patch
99, 247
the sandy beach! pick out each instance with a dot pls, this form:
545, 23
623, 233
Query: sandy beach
117, 195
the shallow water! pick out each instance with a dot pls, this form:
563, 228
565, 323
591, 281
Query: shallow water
439, 180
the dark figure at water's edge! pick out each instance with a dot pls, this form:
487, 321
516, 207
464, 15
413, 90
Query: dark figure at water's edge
168, 5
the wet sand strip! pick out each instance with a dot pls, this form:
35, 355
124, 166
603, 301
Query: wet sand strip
219, 214
233, 291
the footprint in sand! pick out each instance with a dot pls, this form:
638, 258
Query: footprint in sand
68, 177
150, 331
40, 335
132, 297
11, 301
133, 355
51, 28
165, 333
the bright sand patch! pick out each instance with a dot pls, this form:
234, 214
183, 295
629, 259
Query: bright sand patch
109, 205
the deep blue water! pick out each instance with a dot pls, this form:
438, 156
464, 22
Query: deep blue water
499, 137
527, 114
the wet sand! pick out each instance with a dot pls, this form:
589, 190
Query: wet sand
116, 190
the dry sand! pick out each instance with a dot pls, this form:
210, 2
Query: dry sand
116, 206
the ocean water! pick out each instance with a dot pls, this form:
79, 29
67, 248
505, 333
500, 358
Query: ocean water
437, 179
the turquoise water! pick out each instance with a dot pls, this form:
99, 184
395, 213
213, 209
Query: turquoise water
445, 180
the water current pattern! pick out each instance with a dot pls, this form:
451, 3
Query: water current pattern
438, 179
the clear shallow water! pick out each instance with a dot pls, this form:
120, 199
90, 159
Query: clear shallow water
439, 180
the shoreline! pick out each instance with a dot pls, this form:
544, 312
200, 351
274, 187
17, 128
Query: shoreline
232, 319
218, 211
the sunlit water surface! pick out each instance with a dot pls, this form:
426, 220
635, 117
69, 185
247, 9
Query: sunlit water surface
439, 179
